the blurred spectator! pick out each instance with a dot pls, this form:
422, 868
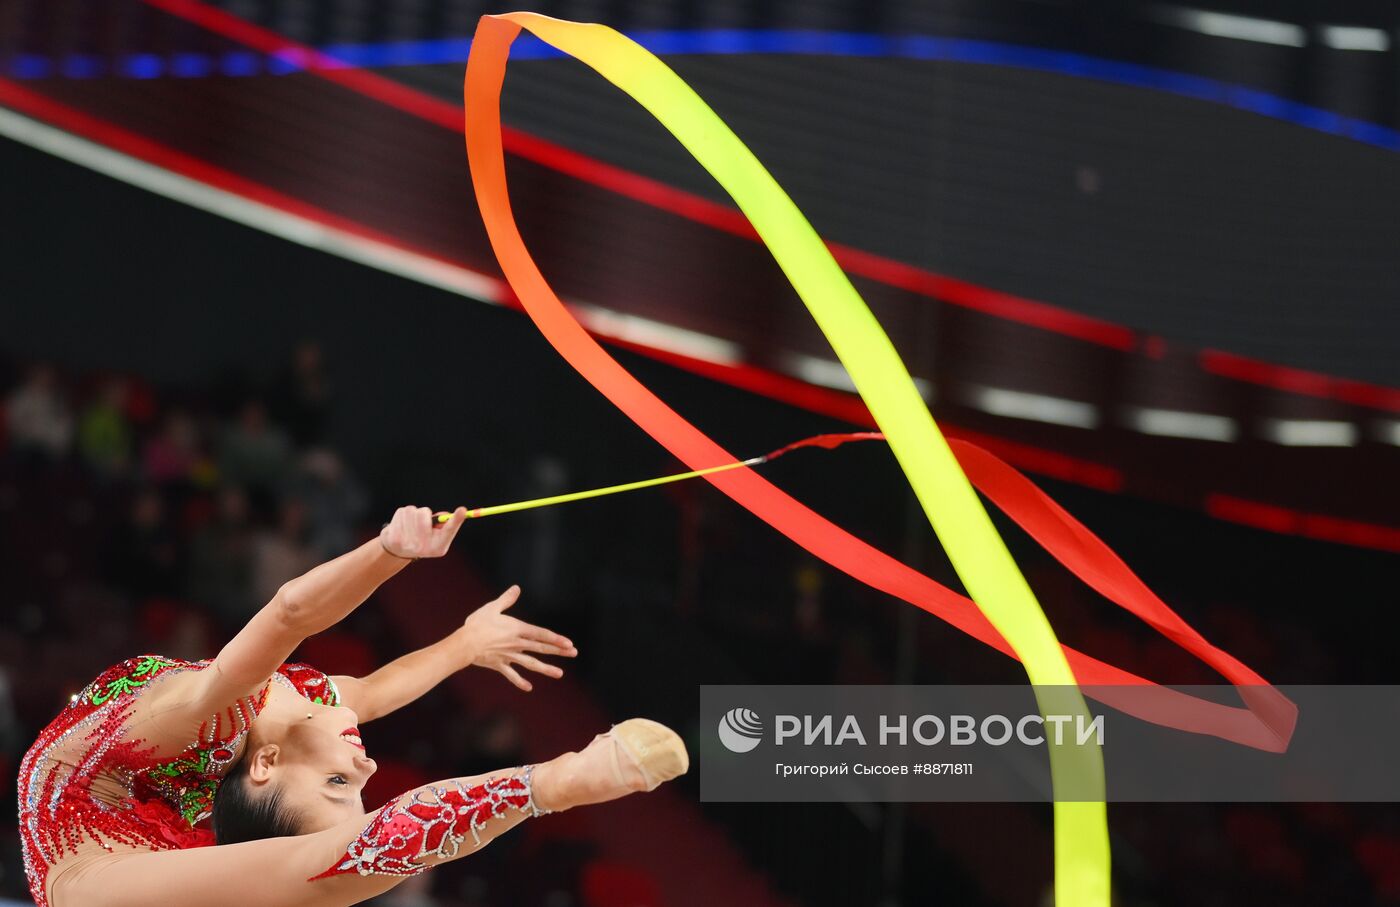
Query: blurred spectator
301, 397
335, 502
221, 561
174, 456
145, 556
500, 740
535, 548
12, 739
254, 453
281, 553
171, 627
493, 740
104, 432
38, 418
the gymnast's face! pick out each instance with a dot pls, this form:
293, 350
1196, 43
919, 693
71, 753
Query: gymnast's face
318, 764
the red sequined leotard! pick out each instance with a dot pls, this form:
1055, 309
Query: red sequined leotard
145, 800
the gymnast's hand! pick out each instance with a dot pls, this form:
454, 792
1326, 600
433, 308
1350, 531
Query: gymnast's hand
414, 533
497, 641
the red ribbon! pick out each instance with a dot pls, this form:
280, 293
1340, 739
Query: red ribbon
1265, 723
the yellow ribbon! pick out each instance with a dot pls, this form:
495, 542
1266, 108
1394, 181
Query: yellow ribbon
957, 516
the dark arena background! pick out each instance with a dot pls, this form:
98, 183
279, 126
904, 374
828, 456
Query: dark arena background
1148, 253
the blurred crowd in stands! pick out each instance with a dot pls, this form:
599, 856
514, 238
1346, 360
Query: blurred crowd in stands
141, 519
192, 510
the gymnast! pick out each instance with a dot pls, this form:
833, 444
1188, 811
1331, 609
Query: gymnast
111, 792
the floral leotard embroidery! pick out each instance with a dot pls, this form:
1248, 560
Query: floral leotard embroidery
163, 798
190, 780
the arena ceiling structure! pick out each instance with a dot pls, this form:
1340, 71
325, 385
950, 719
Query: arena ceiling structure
993, 181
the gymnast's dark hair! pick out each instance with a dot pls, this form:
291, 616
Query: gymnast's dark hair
240, 815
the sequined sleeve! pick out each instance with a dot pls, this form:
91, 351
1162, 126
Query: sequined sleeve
311, 684
431, 822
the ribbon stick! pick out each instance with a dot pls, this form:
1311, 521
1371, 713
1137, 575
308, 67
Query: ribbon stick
1006, 615
830, 442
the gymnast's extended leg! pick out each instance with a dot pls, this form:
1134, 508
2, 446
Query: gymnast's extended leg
364, 857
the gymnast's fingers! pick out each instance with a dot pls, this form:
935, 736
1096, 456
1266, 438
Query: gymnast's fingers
453, 525
545, 648
548, 638
515, 678
531, 663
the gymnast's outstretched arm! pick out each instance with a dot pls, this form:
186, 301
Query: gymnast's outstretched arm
304, 607
488, 638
